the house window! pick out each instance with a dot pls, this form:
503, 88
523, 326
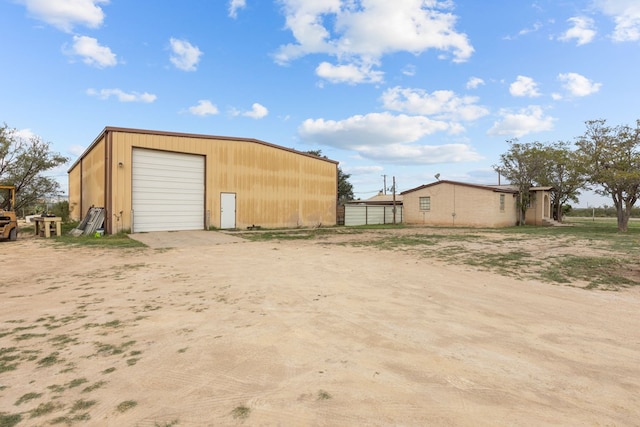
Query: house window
425, 203
502, 203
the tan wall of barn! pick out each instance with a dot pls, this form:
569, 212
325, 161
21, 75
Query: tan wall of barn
74, 194
87, 181
473, 207
274, 187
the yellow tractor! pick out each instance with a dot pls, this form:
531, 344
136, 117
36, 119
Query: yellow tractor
8, 222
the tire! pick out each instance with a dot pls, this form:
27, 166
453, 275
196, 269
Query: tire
13, 234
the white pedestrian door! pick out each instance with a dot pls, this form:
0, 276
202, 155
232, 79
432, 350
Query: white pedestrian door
227, 210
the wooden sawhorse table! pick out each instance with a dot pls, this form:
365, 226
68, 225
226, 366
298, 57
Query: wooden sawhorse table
45, 222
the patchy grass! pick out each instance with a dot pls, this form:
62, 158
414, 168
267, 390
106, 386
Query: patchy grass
116, 241
77, 382
94, 386
503, 262
27, 397
110, 349
81, 405
241, 412
301, 233
61, 341
45, 409
126, 405
9, 420
71, 420
50, 360
281, 235
522, 252
57, 388
7, 356
24, 337
323, 395
598, 272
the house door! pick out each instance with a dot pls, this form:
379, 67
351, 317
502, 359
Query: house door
227, 210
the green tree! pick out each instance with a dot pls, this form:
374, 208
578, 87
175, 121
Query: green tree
521, 165
561, 170
345, 188
23, 163
611, 159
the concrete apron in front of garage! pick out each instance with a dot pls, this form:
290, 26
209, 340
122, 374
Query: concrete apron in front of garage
184, 239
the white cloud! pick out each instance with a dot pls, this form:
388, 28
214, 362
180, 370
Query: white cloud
362, 32
442, 104
257, 111
185, 56
76, 150
578, 85
122, 96
533, 29
582, 30
387, 138
350, 73
522, 122
204, 108
524, 86
234, 6
421, 154
409, 70
536, 27
65, 14
474, 82
92, 53
373, 128
24, 134
362, 170
626, 15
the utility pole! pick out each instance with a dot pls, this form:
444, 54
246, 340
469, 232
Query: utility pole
384, 188
394, 200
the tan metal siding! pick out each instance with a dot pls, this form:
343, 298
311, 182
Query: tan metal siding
274, 187
74, 193
93, 178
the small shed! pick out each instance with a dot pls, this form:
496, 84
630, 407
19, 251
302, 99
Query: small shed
378, 209
161, 181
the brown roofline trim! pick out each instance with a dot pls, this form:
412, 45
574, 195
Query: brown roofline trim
464, 184
109, 129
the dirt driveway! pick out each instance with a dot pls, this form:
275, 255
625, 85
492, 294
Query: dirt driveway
304, 333
184, 239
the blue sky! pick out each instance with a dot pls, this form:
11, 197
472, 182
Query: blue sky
404, 88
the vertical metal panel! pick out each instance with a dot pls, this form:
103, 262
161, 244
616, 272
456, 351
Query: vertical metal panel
93, 176
75, 192
370, 214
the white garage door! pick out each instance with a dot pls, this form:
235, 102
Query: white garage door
167, 191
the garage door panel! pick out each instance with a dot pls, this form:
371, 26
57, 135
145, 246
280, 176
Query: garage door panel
168, 191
